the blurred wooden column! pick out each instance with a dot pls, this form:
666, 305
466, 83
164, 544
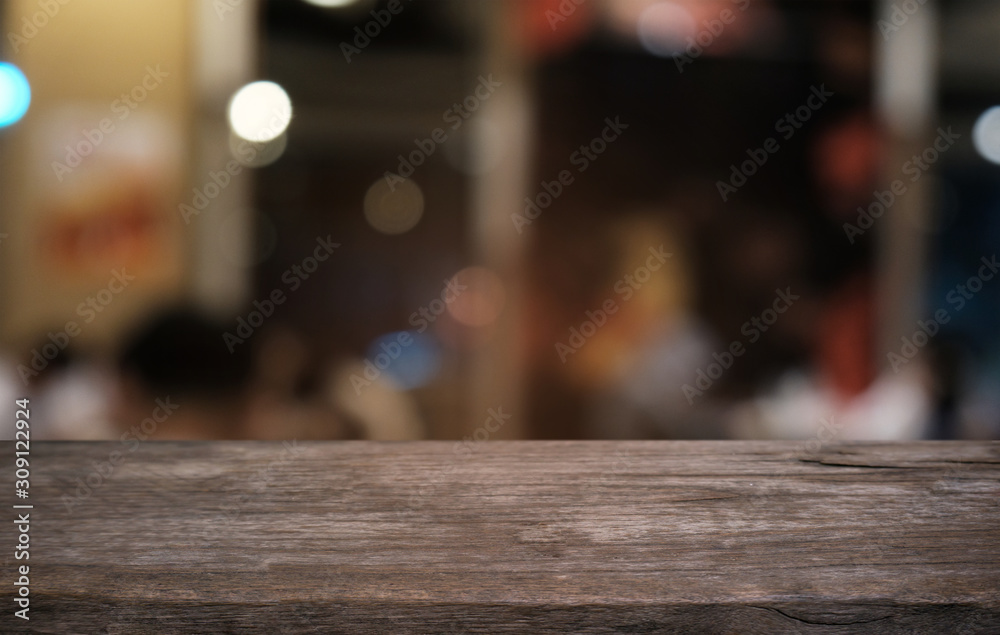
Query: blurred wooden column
504, 130
905, 89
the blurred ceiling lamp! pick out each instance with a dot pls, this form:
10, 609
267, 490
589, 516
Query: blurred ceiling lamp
257, 154
15, 94
986, 134
665, 28
331, 4
395, 208
260, 111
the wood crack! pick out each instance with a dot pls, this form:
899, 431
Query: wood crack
815, 623
863, 465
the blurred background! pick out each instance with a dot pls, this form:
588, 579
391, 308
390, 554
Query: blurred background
515, 219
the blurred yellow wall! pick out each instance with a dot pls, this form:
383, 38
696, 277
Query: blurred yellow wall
114, 76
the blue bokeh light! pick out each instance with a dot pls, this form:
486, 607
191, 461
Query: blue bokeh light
407, 366
15, 94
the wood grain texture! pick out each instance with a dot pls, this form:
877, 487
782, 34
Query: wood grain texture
582, 537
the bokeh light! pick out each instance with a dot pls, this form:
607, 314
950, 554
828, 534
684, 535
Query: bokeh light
986, 134
15, 94
665, 27
480, 297
410, 365
260, 111
394, 208
331, 4
257, 154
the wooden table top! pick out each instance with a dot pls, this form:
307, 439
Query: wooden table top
582, 537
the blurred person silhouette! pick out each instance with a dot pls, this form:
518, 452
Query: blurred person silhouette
947, 365
178, 367
843, 382
71, 396
177, 371
635, 363
383, 412
11, 389
288, 397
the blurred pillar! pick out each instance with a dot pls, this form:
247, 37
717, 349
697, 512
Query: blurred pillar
905, 86
224, 59
497, 370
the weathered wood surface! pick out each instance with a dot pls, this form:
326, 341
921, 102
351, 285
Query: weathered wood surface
582, 537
